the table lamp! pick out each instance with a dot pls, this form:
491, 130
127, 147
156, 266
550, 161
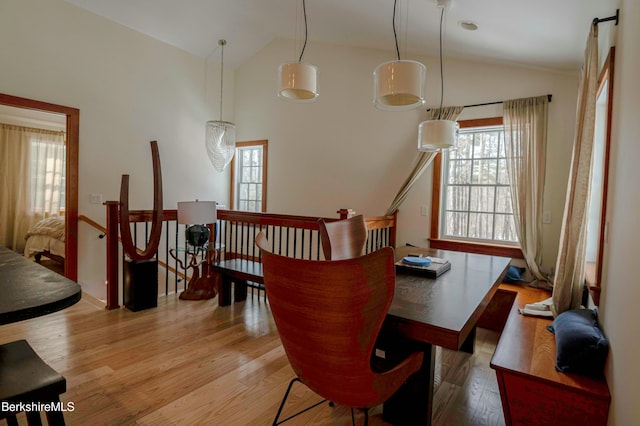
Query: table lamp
197, 214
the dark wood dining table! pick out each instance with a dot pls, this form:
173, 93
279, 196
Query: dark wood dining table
425, 313
29, 290
428, 312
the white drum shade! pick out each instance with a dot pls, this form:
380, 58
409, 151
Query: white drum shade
437, 135
298, 82
399, 85
196, 212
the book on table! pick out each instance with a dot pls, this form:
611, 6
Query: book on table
428, 265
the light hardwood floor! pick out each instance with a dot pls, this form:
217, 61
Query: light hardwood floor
191, 363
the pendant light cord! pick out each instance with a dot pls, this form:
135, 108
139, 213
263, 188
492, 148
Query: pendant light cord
304, 13
441, 69
395, 34
221, 43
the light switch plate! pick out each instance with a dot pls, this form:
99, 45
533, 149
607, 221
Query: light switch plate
95, 199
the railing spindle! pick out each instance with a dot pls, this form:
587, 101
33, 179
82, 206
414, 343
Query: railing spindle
278, 228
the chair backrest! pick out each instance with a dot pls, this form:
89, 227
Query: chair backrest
328, 315
343, 239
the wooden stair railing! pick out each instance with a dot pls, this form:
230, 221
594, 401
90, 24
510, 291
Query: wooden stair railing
141, 216
235, 232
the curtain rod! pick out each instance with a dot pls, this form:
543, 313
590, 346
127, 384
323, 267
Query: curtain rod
596, 21
491, 103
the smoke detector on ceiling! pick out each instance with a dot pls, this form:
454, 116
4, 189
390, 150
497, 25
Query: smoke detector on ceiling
468, 25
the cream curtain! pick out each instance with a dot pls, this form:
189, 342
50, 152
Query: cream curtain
569, 277
525, 135
423, 159
32, 171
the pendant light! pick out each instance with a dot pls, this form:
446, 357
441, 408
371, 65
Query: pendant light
438, 135
298, 82
398, 85
220, 135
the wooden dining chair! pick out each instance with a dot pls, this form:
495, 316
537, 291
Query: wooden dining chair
328, 315
25, 378
343, 239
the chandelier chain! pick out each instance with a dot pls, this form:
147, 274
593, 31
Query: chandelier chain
304, 13
222, 44
441, 67
395, 34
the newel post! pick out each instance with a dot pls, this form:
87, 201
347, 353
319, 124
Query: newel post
112, 254
392, 232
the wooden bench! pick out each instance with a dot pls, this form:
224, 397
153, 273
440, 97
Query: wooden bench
533, 392
238, 271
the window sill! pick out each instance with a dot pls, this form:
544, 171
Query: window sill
464, 246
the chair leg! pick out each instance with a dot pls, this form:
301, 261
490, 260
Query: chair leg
55, 418
286, 395
366, 417
33, 418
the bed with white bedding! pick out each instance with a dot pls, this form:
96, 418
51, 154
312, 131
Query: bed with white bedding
46, 238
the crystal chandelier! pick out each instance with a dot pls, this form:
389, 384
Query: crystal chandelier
220, 138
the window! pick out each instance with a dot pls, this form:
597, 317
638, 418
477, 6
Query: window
47, 174
249, 177
472, 198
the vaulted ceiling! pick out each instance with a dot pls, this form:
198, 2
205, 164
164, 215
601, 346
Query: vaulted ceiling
540, 33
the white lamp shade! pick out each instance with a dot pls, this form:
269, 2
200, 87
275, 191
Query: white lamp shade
399, 85
196, 212
220, 141
298, 82
437, 135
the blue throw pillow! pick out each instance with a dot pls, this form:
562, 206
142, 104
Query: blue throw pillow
514, 275
580, 344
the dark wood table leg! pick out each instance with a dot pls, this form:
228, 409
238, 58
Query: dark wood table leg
412, 404
469, 344
240, 290
224, 296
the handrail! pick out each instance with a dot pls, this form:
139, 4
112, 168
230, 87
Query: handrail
93, 223
383, 228
292, 221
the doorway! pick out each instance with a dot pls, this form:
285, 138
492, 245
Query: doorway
71, 173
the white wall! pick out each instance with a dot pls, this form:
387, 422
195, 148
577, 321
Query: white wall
339, 152
342, 152
620, 299
130, 89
